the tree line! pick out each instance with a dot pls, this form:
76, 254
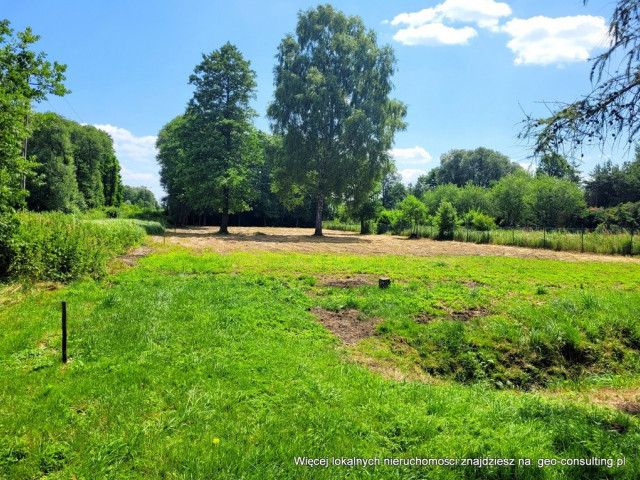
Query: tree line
332, 119
553, 197
333, 124
76, 166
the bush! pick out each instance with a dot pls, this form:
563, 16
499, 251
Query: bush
446, 220
112, 212
484, 223
56, 246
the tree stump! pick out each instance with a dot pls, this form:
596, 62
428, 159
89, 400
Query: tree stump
384, 282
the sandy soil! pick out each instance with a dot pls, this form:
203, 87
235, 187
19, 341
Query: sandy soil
302, 240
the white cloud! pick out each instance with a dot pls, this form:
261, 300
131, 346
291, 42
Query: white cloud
411, 156
415, 19
426, 27
529, 167
545, 41
136, 176
126, 144
137, 158
435, 34
410, 175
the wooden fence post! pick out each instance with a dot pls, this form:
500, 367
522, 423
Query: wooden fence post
64, 332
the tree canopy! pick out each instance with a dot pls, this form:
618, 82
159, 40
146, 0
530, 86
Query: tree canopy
610, 111
25, 77
206, 155
332, 107
76, 166
481, 167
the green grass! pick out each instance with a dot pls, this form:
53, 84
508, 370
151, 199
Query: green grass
185, 349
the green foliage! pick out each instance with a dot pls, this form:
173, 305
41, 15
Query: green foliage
555, 165
54, 187
391, 220
442, 193
554, 202
609, 185
413, 211
446, 220
77, 167
97, 168
393, 191
332, 108
25, 76
479, 221
509, 199
481, 167
140, 196
365, 209
54, 246
208, 156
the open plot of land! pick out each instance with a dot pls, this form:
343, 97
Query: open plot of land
333, 241
232, 359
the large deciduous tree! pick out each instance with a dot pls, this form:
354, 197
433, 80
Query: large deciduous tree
54, 187
25, 76
481, 166
221, 143
332, 107
610, 111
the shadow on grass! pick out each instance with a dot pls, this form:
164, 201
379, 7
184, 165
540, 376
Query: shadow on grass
259, 237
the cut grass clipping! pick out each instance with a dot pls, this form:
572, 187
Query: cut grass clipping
214, 366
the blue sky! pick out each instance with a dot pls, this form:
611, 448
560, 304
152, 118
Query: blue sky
467, 69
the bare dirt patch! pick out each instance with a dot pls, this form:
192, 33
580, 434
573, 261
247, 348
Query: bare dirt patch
345, 324
302, 240
632, 408
463, 315
352, 281
389, 370
132, 257
624, 399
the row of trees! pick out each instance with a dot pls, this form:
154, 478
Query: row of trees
332, 117
140, 196
25, 77
76, 166
516, 200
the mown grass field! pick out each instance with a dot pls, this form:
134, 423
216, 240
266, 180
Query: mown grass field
203, 365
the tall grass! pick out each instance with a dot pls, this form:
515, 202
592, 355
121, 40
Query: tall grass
343, 227
560, 240
59, 247
566, 240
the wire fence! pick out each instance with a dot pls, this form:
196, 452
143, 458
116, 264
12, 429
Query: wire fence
560, 239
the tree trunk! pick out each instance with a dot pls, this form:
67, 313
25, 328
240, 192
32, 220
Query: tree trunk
318, 232
362, 227
224, 221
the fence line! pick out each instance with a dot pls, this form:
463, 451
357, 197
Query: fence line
559, 239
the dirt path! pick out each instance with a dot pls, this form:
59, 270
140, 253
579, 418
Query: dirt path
302, 240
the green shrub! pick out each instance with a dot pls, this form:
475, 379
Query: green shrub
112, 212
56, 246
446, 220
